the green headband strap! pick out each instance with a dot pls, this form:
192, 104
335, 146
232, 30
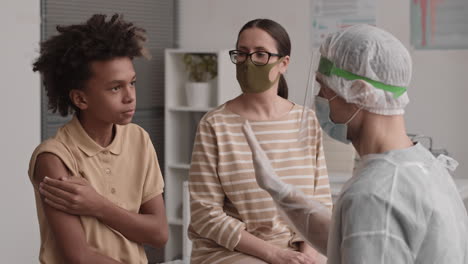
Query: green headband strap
328, 68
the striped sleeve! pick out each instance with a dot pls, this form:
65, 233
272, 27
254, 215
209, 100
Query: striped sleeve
206, 193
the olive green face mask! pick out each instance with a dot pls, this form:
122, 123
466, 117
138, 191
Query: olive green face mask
253, 78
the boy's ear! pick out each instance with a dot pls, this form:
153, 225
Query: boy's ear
78, 98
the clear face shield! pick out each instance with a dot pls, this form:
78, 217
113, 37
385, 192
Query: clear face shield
311, 90
325, 67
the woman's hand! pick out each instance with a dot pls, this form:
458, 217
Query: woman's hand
309, 251
72, 195
286, 256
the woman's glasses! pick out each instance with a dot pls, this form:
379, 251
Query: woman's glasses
258, 58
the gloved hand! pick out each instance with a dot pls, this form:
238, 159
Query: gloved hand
310, 218
266, 176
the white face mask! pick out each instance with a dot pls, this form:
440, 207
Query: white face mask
336, 131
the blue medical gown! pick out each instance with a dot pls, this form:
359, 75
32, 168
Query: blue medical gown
399, 207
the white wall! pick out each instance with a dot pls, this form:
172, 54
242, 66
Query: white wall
20, 129
438, 86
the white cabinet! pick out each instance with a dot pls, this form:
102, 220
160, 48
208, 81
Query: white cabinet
181, 123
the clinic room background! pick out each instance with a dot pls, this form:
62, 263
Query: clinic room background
438, 90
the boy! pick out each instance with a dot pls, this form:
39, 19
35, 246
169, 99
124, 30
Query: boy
98, 185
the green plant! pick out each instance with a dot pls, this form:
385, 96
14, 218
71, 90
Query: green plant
201, 67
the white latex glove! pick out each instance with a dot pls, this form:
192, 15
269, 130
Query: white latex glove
264, 172
310, 218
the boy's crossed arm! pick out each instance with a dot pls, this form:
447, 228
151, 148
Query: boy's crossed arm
66, 228
70, 197
74, 195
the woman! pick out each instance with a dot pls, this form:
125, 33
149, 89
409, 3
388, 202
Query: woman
401, 205
232, 219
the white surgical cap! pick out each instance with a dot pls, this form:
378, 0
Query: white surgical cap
372, 53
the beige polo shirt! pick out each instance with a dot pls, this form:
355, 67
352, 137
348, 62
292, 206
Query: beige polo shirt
126, 172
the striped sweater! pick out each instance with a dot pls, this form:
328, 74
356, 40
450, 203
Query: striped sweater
225, 198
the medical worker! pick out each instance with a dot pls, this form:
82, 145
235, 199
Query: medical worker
401, 205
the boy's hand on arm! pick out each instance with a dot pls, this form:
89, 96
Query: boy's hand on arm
72, 195
66, 228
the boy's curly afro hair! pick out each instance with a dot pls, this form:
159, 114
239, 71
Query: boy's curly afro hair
64, 61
